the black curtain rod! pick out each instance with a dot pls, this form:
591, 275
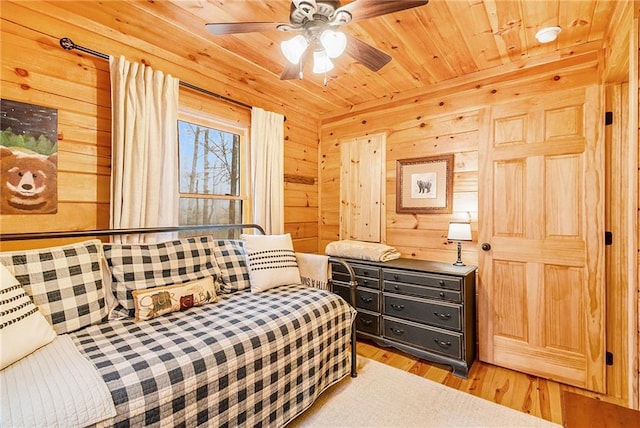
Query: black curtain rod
68, 45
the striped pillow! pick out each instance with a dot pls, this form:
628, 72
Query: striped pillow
64, 282
23, 329
271, 261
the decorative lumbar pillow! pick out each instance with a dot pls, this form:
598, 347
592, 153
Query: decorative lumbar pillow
143, 266
271, 261
157, 301
23, 329
231, 259
65, 283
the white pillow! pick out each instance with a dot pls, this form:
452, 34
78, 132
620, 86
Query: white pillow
271, 261
23, 329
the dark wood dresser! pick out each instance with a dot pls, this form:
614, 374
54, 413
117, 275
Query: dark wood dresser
426, 309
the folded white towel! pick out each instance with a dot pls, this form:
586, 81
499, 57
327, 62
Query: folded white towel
314, 270
362, 250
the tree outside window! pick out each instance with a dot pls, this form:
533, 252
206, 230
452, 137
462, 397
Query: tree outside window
210, 174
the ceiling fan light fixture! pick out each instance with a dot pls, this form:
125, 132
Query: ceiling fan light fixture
334, 42
341, 17
307, 7
548, 34
321, 62
294, 48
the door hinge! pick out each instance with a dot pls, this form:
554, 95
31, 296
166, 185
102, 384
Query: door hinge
608, 238
608, 118
609, 358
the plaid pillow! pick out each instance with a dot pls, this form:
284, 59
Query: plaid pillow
231, 259
143, 266
64, 282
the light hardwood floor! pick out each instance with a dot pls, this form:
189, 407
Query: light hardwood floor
522, 392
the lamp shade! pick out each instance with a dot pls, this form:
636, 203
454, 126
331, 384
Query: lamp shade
294, 48
459, 231
321, 62
334, 42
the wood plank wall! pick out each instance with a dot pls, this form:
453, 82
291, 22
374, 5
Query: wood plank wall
450, 121
446, 121
36, 70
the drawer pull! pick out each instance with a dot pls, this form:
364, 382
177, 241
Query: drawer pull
366, 322
397, 331
397, 307
442, 294
365, 273
396, 277
442, 344
396, 287
441, 283
366, 299
364, 282
442, 316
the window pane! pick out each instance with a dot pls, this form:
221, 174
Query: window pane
201, 211
209, 160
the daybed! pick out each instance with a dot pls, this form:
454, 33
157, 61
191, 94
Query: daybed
236, 356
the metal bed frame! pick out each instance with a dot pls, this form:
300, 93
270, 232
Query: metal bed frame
148, 230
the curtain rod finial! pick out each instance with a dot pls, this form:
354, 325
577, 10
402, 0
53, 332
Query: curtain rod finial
67, 44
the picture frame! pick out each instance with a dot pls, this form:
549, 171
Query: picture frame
425, 185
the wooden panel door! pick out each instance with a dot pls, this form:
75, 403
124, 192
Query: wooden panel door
362, 177
541, 292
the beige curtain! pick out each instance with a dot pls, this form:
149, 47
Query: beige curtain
267, 169
144, 146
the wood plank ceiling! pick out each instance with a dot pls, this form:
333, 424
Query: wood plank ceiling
430, 44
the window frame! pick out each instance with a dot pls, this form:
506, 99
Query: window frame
202, 119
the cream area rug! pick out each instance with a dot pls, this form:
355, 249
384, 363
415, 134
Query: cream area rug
383, 396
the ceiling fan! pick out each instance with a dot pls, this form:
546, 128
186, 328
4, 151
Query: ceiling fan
318, 22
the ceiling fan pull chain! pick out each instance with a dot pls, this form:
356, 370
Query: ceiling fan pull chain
326, 81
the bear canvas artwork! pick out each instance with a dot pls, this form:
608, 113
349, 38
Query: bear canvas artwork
28, 158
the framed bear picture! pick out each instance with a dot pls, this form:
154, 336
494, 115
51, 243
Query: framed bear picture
424, 185
28, 158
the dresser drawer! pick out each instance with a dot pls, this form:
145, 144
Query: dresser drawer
367, 322
420, 290
429, 338
439, 314
365, 299
362, 281
428, 279
360, 270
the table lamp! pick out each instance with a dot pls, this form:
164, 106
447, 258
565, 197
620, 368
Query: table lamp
459, 231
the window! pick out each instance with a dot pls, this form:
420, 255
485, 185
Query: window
212, 171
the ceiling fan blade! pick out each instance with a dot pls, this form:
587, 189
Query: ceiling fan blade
363, 9
222, 28
292, 71
373, 58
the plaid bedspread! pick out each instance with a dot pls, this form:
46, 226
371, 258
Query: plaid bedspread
246, 360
